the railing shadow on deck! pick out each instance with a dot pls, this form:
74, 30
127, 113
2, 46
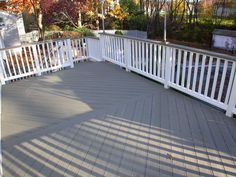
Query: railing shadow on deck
115, 146
119, 144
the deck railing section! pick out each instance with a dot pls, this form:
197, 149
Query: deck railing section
113, 49
37, 58
94, 48
79, 49
205, 75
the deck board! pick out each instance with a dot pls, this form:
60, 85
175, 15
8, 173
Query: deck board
98, 120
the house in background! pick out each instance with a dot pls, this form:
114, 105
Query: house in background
224, 8
224, 39
11, 27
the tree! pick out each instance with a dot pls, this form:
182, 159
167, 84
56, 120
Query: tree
30, 7
129, 6
63, 12
3, 5
118, 13
92, 14
192, 6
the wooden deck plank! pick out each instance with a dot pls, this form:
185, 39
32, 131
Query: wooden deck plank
213, 154
198, 139
99, 120
177, 151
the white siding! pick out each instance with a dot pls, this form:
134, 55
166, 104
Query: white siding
10, 31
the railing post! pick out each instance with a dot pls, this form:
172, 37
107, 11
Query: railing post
61, 53
127, 53
69, 50
1, 171
232, 99
102, 46
168, 61
87, 48
1, 69
2, 76
36, 58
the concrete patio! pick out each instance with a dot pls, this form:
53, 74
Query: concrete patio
98, 120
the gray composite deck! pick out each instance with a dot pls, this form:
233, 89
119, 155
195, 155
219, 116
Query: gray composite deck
99, 120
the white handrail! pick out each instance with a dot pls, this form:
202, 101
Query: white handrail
37, 58
202, 51
205, 75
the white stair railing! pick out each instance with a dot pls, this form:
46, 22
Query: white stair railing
205, 75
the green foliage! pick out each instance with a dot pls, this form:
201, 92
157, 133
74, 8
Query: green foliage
70, 34
82, 30
198, 33
53, 28
129, 6
113, 24
48, 35
118, 32
138, 22
68, 28
63, 34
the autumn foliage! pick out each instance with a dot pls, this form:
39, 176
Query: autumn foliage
62, 11
19, 6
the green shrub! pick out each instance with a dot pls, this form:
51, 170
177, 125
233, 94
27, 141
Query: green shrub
136, 21
53, 28
113, 24
84, 31
71, 34
118, 33
48, 35
68, 28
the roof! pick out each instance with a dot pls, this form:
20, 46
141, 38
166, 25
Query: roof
225, 32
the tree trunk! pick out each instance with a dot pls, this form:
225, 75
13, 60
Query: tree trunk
39, 18
97, 19
141, 5
153, 29
79, 19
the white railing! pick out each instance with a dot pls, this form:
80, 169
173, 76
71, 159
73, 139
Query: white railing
79, 49
205, 75
113, 47
94, 48
37, 58
208, 76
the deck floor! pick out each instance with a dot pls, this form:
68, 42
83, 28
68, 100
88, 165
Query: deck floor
98, 120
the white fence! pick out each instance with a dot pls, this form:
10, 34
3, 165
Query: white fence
205, 75
34, 59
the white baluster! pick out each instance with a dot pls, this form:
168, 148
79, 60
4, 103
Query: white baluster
208, 76
195, 72
69, 50
232, 99
102, 46
2, 70
36, 59
230, 82
168, 61
127, 53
